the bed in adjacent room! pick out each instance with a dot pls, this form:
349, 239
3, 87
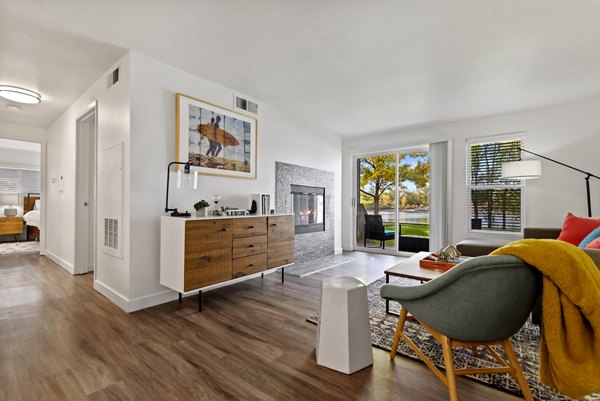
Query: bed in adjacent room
31, 215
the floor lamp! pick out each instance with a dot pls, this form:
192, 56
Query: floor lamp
186, 170
530, 169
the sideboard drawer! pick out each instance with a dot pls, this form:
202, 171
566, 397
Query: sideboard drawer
249, 265
206, 268
249, 246
246, 227
281, 228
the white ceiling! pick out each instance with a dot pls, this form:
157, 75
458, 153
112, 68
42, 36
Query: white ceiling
48, 60
347, 66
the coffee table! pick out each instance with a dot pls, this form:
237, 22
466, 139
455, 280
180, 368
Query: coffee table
410, 268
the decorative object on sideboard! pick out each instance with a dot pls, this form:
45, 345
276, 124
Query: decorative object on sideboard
201, 208
187, 173
235, 212
216, 198
531, 169
263, 203
215, 140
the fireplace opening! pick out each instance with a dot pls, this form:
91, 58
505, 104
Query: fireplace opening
308, 204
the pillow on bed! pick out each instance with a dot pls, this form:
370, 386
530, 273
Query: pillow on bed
36, 206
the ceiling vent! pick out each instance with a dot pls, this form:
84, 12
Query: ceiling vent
112, 78
243, 103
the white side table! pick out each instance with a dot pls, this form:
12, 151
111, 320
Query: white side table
343, 332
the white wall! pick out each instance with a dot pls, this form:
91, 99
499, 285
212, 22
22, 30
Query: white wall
112, 274
568, 133
22, 132
20, 159
280, 138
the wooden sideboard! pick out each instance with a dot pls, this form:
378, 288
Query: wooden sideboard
199, 253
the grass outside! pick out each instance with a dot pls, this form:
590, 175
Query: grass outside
410, 230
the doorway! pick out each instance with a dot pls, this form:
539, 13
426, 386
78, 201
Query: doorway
392, 213
85, 193
20, 196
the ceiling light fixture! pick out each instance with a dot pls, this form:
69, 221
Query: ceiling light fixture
20, 95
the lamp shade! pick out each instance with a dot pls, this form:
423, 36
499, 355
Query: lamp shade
522, 170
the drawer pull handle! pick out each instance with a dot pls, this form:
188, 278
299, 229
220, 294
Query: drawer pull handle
250, 246
250, 227
250, 265
224, 229
274, 224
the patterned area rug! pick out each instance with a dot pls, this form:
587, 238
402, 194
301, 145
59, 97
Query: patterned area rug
314, 266
11, 248
525, 343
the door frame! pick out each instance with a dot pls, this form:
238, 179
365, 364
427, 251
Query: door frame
82, 229
356, 198
43, 213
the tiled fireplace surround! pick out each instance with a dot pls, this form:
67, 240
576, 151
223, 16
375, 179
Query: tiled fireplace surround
314, 245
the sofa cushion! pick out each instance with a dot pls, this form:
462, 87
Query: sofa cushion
575, 228
594, 244
479, 247
589, 238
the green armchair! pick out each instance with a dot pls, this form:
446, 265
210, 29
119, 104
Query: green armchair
481, 302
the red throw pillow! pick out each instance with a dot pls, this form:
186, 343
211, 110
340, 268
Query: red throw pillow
576, 228
595, 244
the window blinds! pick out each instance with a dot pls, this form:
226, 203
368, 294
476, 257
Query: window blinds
14, 181
495, 204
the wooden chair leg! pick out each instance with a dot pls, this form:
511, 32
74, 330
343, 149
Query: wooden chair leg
474, 350
518, 374
399, 328
449, 362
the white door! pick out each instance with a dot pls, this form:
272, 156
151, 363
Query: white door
85, 193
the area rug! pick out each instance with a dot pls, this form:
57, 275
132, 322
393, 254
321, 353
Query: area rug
12, 248
304, 269
525, 343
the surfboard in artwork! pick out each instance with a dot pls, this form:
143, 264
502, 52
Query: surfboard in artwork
223, 137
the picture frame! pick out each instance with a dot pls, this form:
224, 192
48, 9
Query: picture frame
214, 139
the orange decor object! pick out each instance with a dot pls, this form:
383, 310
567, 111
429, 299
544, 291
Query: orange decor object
428, 263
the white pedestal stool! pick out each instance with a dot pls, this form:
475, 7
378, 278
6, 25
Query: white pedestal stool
343, 332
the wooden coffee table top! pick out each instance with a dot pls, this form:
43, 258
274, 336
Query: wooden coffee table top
410, 268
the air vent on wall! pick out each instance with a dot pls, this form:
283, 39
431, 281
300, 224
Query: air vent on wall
241, 102
111, 233
112, 78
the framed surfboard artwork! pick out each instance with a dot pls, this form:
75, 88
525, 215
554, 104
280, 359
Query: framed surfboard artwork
215, 140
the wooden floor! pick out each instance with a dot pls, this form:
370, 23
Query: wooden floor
61, 340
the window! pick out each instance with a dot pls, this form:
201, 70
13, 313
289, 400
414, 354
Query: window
494, 204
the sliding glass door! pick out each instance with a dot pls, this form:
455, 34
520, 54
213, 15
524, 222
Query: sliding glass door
392, 213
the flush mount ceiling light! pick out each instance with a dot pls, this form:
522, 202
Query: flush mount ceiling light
20, 95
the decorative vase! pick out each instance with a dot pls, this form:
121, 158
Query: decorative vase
202, 212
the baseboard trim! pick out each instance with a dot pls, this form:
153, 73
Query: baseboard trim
112, 295
151, 300
347, 247
338, 251
59, 261
132, 305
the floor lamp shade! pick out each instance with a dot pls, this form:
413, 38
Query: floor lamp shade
522, 170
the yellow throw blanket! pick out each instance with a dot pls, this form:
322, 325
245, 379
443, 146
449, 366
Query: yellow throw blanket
570, 346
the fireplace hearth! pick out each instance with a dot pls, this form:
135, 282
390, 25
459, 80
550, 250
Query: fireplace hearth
308, 205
